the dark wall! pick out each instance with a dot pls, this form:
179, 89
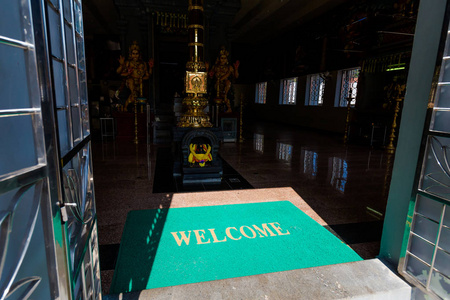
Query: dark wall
325, 117
345, 38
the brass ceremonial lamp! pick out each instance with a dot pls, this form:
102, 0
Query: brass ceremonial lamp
241, 138
136, 140
347, 121
141, 100
391, 148
196, 75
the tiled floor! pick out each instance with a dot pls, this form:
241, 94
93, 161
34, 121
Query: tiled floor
346, 185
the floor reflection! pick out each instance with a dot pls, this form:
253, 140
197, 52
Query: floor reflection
310, 161
346, 185
284, 152
258, 143
338, 173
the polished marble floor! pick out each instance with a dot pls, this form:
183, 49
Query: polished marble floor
346, 185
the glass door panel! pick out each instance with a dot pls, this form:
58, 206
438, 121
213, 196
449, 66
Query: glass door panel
428, 249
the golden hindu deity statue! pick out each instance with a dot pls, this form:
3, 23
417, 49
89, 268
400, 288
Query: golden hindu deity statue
135, 71
199, 154
223, 73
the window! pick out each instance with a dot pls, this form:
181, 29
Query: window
347, 87
314, 90
260, 96
288, 91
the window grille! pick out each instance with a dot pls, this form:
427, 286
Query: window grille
347, 86
261, 89
288, 91
315, 90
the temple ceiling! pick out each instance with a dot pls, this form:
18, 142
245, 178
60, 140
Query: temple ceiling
246, 21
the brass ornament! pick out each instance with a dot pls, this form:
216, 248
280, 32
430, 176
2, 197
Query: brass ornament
196, 44
196, 26
195, 81
193, 7
196, 66
195, 116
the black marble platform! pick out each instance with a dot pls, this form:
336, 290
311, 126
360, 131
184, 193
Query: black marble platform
183, 138
166, 182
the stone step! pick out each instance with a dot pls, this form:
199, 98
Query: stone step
368, 279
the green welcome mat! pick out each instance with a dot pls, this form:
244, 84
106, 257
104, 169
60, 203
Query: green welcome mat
166, 247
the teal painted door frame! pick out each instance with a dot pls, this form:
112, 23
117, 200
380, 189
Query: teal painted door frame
422, 67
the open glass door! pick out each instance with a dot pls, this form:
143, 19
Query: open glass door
68, 73
32, 246
427, 252
48, 235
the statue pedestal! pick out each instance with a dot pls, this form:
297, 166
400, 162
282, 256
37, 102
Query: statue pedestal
210, 174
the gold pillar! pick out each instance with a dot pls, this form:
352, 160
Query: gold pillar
241, 138
347, 121
196, 77
136, 140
